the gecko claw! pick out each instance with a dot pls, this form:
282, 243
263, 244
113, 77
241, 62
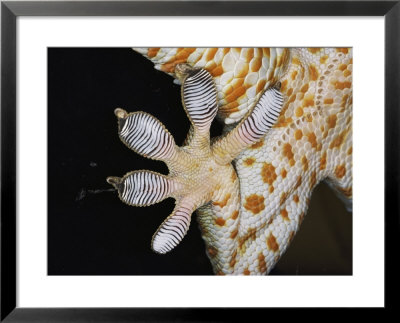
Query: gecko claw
114, 181
120, 113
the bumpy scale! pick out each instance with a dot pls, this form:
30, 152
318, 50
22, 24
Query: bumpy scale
200, 173
310, 142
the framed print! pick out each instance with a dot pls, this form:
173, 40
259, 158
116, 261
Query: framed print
96, 94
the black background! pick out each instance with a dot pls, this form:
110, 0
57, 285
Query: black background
90, 231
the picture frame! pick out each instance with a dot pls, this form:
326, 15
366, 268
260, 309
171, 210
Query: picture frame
10, 10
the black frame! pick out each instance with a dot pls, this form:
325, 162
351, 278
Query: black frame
11, 10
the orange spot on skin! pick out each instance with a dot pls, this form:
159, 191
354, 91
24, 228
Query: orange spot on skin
236, 94
283, 173
249, 54
298, 134
331, 121
313, 179
308, 101
246, 272
313, 72
342, 50
328, 101
243, 72
346, 73
211, 53
304, 161
284, 86
271, 243
339, 139
220, 273
229, 89
271, 189
250, 235
323, 162
295, 60
234, 233
291, 99
288, 153
299, 112
282, 122
210, 66
350, 151
180, 57
344, 101
256, 64
342, 67
314, 50
230, 107
254, 203
249, 161
296, 198
294, 74
323, 59
283, 58
235, 214
342, 85
217, 71
304, 89
266, 52
212, 251
152, 52
262, 265
220, 221
260, 85
221, 204
268, 173
284, 214
236, 83
312, 139
289, 92
233, 259
308, 117
340, 171
258, 144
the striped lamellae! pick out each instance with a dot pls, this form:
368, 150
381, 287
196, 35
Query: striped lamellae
147, 136
200, 98
142, 188
262, 118
172, 231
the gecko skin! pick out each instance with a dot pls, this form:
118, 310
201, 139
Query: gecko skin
250, 209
